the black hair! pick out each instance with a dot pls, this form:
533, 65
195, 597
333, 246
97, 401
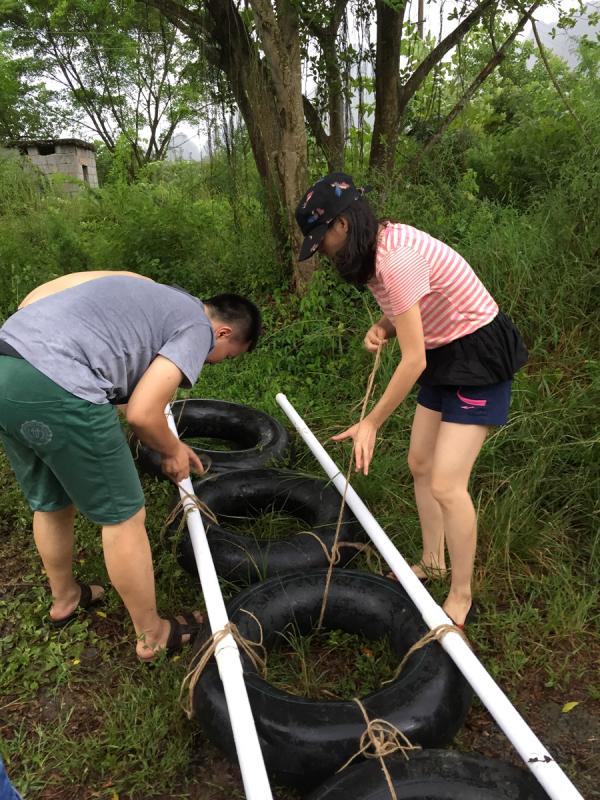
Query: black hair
240, 313
355, 261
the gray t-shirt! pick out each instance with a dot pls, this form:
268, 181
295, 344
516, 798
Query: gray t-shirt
97, 339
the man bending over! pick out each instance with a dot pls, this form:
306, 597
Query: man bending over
77, 347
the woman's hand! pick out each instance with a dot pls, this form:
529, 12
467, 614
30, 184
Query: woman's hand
178, 465
363, 434
375, 336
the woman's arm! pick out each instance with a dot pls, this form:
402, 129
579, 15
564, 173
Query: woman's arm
409, 331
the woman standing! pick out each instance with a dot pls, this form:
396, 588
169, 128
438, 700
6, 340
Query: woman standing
454, 342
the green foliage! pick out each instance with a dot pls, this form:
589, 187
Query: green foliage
120, 65
23, 100
169, 225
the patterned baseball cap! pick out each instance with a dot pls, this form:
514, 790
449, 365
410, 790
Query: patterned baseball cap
322, 203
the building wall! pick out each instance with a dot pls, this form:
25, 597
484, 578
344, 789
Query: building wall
68, 160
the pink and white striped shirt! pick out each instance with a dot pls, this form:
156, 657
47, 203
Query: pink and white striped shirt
413, 267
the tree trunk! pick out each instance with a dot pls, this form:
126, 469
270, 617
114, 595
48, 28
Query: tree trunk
387, 88
280, 38
269, 96
388, 109
335, 101
332, 144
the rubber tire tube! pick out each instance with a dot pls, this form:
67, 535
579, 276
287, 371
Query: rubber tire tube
305, 741
433, 775
249, 493
259, 438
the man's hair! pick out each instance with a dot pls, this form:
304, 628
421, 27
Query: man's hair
355, 262
240, 313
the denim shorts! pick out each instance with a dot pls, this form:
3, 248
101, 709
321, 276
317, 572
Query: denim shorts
469, 405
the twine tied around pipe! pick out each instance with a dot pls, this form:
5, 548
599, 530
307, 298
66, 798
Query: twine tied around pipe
380, 739
206, 652
184, 505
335, 547
434, 635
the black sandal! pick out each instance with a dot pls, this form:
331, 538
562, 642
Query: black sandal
472, 615
190, 627
86, 601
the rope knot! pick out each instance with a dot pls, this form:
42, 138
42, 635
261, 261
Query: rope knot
378, 740
434, 635
206, 652
381, 739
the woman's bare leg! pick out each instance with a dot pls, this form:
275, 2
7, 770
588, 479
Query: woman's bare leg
456, 451
425, 430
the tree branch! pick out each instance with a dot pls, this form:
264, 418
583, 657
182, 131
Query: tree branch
271, 41
429, 62
494, 61
314, 123
555, 83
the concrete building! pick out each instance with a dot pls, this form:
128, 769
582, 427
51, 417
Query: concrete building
68, 156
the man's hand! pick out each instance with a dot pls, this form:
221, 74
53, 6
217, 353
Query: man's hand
363, 434
375, 336
178, 465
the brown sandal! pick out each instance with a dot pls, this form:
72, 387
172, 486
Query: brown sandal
190, 627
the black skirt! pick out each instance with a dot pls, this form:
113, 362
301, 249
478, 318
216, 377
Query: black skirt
491, 354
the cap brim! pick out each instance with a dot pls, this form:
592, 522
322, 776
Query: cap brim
312, 242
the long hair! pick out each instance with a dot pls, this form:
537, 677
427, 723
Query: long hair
355, 262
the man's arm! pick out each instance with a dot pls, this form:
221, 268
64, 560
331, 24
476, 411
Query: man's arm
145, 415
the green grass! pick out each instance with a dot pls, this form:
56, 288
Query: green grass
270, 524
211, 443
329, 664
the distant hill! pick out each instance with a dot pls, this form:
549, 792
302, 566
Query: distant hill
183, 148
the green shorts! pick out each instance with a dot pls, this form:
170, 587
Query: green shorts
65, 450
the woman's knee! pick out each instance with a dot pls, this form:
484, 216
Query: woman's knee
448, 493
419, 465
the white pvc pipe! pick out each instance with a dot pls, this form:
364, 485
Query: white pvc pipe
250, 757
529, 747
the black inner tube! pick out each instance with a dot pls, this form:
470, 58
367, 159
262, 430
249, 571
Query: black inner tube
254, 439
304, 740
311, 504
244, 427
433, 775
